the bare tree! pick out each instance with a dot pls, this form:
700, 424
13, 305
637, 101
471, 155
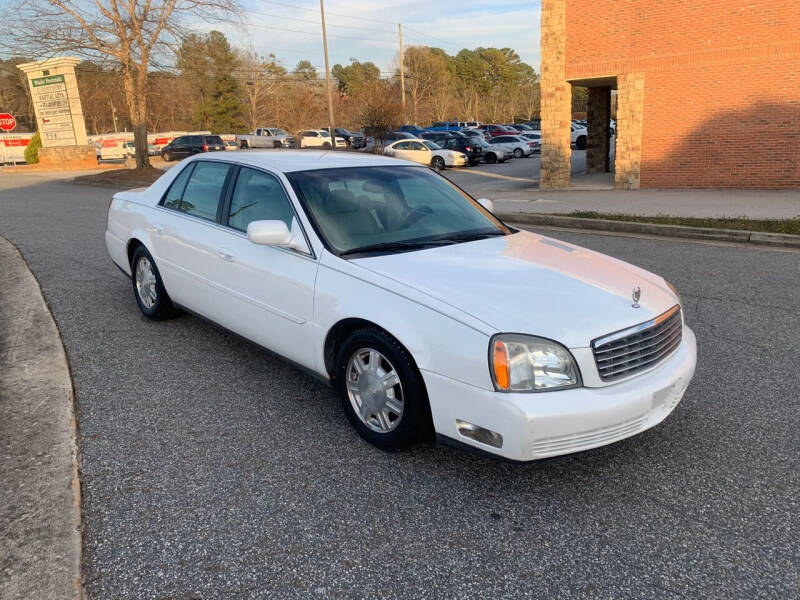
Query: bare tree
128, 33
263, 77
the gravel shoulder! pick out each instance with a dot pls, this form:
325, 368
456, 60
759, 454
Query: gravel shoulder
40, 545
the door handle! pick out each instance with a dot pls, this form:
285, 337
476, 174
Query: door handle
159, 229
225, 254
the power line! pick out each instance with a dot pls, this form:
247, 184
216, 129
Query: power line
294, 6
260, 14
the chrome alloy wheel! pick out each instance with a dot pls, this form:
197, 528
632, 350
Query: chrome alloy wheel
374, 389
146, 282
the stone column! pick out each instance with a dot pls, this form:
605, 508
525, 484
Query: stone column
597, 143
630, 111
556, 106
59, 115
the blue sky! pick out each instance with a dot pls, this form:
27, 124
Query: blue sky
367, 30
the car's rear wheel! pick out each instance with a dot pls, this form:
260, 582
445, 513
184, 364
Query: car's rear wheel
244, 145
518, 153
326, 145
580, 143
151, 296
437, 162
380, 390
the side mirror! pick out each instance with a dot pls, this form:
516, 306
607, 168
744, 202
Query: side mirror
274, 233
487, 204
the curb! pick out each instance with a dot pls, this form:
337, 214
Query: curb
41, 551
674, 231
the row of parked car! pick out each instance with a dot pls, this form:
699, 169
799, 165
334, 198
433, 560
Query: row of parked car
443, 144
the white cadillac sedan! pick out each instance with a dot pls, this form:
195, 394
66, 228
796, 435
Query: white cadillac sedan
426, 152
424, 311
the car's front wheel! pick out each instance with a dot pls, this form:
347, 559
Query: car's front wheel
437, 162
166, 156
152, 298
380, 390
518, 153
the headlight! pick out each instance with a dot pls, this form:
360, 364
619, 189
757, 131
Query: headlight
524, 363
674, 291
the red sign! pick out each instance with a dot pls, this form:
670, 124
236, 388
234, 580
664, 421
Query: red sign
7, 122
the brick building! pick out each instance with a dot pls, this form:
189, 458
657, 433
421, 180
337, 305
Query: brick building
708, 91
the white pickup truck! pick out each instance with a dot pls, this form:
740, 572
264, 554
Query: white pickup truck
266, 137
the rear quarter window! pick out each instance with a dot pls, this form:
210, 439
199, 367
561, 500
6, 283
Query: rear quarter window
213, 139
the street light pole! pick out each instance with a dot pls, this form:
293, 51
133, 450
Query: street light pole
331, 128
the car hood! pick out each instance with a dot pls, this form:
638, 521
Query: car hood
532, 284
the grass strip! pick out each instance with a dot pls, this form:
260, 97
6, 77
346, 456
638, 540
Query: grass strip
790, 226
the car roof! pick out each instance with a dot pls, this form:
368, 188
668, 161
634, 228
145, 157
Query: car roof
288, 161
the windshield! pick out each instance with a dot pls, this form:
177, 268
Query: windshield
324, 134
431, 145
401, 208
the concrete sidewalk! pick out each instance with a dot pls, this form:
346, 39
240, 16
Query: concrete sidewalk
40, 536
754, 204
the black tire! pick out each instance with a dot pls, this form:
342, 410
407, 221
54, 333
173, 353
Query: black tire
162, 307
276, 145
415, 422
437, 162
518, 153
491, 158
166, 157
580, 143
244, 145
326, 145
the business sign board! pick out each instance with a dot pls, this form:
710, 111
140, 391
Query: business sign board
53, 110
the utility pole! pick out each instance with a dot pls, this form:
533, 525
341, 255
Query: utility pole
402, 71
331, 128
114, 116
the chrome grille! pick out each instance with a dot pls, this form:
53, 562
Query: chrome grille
637, 348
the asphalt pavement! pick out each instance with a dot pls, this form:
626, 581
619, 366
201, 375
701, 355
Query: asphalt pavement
212, 469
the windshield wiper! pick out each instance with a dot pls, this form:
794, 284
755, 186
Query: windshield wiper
388, 246
469, 236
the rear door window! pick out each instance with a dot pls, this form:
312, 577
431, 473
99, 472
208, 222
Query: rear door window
202, 192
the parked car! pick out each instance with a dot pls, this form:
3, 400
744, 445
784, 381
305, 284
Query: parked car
514, 144
393, 136
266, 137
536, 124
491, 152
536, 139
319, 138
414, 130
425, 312
459, 143
523, 127
426, 152
444, 126
579, 137
353, 139
187, 145
469, 124
495, 130
231, 145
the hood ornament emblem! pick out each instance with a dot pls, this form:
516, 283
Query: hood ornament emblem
637, 293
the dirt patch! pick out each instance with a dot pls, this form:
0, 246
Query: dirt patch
124, 178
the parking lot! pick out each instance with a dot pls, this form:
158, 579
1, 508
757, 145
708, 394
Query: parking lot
211, 469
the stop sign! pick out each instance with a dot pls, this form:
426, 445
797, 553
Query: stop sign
7, 122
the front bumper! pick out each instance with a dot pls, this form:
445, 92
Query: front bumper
540, 425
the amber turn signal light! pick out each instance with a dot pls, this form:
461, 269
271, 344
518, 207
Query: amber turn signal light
500, 363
